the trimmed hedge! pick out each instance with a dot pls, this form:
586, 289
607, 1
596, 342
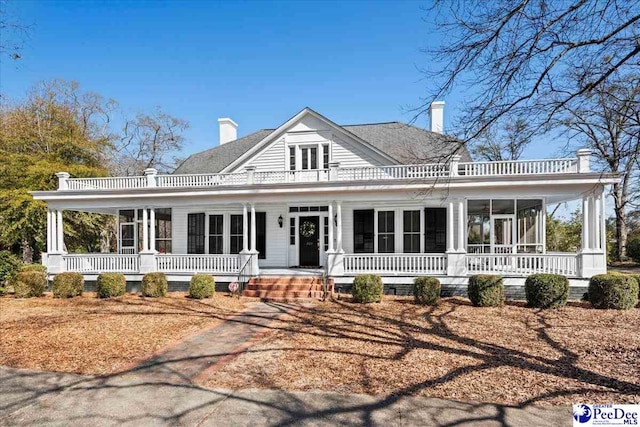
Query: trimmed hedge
609, 291
426, 290
67, 285
109, 285
34, 267
367, 288
546, 290
202, 286
486, 290
154, 285
30, 284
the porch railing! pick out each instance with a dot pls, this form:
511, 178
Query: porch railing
197, 263
201, 180
395, 263
108, 183
344, 174
375, 173
522, 264
101, 263
519, 167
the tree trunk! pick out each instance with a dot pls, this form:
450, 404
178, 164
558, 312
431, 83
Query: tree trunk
619, 199
27, 252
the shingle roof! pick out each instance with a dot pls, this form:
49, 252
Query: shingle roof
405, 143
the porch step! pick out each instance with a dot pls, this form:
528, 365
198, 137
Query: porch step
287, 288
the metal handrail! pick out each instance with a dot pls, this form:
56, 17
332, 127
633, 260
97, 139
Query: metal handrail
243, 277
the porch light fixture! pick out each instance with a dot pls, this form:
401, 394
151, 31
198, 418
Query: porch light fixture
280, 221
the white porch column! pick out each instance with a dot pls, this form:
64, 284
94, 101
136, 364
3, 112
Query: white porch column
152, 231
461, 224
456, 254
585, 223
330, 248
60, 230
450, 228
49, 228
335, 256
339, 226
603, 225
596, 221
145, 230
593, 260
253, 227
245, 229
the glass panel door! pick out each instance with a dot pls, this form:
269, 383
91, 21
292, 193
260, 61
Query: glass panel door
503, 236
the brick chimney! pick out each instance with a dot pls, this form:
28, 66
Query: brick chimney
228, 130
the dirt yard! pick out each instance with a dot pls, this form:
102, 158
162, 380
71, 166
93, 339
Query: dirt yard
511, 355
92, 336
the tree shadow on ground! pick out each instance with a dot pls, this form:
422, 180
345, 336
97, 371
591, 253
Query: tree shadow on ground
178, 400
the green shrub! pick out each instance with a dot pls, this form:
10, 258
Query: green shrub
3, 291
486, 290
9, 267
154, 285
613, 291
426, 290
30, 284
633, 249
367, 288
546, 290
110, 285
67, 285
34, 267
202, 286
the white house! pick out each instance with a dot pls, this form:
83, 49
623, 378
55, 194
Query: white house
317, 197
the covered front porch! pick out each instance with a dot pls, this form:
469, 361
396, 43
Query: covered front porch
397, 239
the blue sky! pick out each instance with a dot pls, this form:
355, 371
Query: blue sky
256, 62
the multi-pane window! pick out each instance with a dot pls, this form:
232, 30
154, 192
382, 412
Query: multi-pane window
235, 234
292, 158
163, 230
363, 231
292, 231
386, 232
309, 157
326, 233
325, 156
411, 231
216, 234
195, 233
127, 231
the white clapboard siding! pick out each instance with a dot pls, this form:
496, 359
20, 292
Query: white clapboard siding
351, 153
271, 158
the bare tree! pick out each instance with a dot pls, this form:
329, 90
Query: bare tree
153, 140
608, 122
507, 143
513, 58
12, 33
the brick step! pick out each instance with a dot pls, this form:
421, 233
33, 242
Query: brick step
284, 286
292, 295
293, 280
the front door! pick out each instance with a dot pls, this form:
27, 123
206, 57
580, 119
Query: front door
309, 232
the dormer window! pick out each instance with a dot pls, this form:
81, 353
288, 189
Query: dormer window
308, 157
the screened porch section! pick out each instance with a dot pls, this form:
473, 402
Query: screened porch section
506, 226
